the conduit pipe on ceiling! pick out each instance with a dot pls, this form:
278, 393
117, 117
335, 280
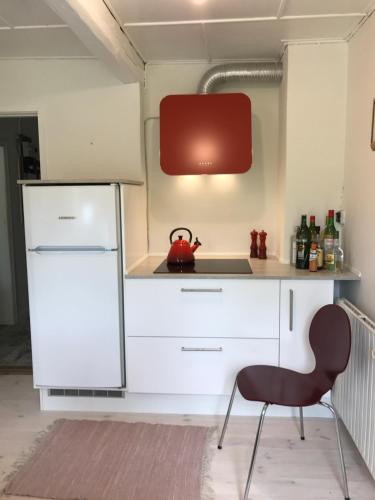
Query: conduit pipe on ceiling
255, 72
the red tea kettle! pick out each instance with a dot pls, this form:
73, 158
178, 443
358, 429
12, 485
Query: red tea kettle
181, 252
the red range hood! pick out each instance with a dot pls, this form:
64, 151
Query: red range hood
205, 134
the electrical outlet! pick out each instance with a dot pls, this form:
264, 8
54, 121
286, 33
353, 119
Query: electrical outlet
340, 217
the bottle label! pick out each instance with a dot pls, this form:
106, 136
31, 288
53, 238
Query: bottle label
328, 242
313, 255
330, 261
330, 258
301, 250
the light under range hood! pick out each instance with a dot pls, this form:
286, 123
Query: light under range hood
205, 134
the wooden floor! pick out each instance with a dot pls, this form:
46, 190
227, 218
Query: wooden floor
287, 468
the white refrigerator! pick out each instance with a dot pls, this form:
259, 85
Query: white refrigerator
74, 265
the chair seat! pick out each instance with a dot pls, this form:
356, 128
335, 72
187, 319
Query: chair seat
275, 385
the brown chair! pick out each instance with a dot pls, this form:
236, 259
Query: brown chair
330, 339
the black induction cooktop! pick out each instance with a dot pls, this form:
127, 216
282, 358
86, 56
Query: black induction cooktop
207, 266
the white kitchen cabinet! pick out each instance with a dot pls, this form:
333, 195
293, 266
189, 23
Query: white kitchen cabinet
192, 365
299, 301
235, 308
186, 336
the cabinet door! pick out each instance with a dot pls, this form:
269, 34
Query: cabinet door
246, 308
299, 301
192, 366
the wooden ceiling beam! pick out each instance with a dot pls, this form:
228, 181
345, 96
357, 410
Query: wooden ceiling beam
99, 31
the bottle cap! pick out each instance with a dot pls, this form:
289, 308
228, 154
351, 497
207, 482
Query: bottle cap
331, 213
312, 218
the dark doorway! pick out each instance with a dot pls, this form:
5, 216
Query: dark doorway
19, 159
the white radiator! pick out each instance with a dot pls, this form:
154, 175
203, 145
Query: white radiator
354, 392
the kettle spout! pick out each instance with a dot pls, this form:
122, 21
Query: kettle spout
197, 244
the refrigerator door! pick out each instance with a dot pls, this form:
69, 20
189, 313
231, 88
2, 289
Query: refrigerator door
71, 216
76, 319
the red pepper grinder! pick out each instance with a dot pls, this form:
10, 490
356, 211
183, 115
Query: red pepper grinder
254, 244
262, 245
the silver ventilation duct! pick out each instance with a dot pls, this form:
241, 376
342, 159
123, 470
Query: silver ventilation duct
256, 72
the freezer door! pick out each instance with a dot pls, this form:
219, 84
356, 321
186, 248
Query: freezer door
76, 319
71, 216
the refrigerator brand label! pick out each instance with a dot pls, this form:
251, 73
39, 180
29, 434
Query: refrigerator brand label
67, 217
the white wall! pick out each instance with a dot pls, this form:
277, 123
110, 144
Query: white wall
359, 194
220, 209
312, 153
281, 177
89, 122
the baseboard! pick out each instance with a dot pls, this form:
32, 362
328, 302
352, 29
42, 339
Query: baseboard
171, 404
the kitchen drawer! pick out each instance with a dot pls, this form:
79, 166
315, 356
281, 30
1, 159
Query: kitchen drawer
176, 366
202, 308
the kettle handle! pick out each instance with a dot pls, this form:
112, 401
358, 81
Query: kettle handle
181, 229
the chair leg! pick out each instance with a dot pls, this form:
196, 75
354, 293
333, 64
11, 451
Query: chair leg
256, 444
220, 445
301, 422
345, 480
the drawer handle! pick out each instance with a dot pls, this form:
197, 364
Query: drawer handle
213, 290
201, 349
291, 297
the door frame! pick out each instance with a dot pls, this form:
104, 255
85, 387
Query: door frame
32, 112
4, 146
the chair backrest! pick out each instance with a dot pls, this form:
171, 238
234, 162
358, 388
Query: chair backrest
330, 339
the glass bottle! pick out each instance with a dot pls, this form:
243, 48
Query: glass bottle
293, 246
339, 254
329, 239
319, 251
303, 245
313, 230
313, 258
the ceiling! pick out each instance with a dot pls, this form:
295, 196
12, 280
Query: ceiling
29, 28
168, 30
187, 30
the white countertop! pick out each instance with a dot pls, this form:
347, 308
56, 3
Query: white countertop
262, 269
41, 182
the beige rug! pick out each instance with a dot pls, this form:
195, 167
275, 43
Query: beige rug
104, 460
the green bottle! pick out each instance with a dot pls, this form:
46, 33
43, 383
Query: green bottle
313, 230
329, 243
303, 245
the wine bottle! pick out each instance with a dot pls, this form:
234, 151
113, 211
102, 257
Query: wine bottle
313, 230
319, 250
293, 246
303, 245
329, 246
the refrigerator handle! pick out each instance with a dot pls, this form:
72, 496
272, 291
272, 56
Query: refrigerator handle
70, 249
